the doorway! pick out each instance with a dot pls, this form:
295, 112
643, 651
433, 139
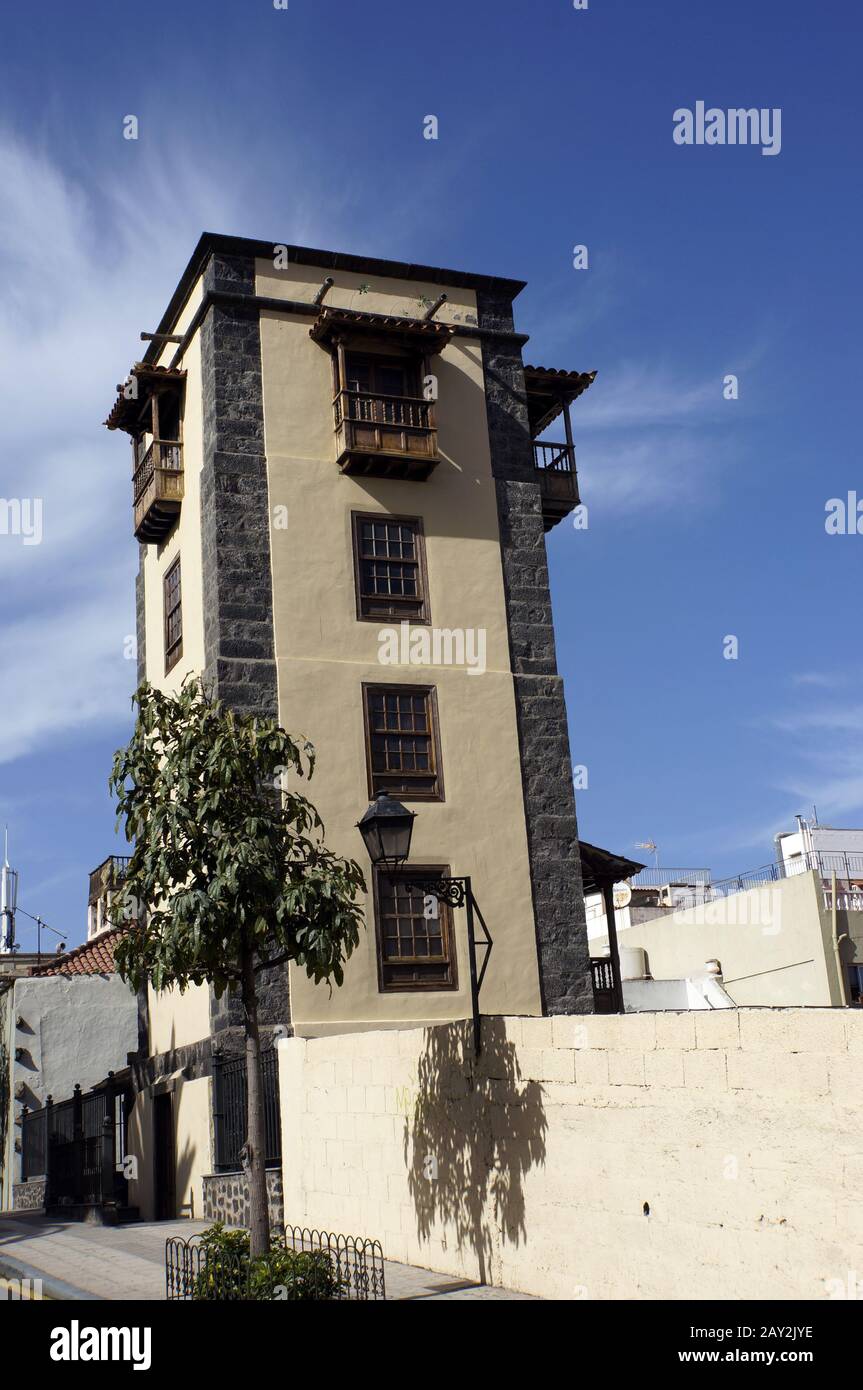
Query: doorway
164, 1158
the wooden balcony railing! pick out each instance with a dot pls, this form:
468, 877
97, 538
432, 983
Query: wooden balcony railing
157, 489
555, 471
385, 436
602, 976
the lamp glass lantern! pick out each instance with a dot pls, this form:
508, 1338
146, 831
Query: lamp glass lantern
386, 829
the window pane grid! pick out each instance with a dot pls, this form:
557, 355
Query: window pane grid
173, 616
401, 742
401, 737
389, 568
415, 949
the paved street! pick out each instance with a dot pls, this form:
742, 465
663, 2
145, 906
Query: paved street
129, 1261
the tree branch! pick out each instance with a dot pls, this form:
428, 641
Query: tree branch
268, 964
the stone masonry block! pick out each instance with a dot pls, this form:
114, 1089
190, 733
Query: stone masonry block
717, 1028
663, 1068
793, 1030
675, 1030
705, 1071
778, 1075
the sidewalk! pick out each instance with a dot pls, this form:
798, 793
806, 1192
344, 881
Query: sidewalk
101, 1262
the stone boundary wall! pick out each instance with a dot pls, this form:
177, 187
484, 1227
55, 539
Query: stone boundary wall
29, 1196
226, 1198
712, 1155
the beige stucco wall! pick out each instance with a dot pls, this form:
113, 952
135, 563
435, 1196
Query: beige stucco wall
192, 1147
368, 294
178, 1019
192, 1132
139, 1143
738, 1128
773, 944
185, 538
324, 654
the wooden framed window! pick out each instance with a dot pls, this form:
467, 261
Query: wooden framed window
380, 376
381, 390
173, 616
390, 568
402, 742
415, 941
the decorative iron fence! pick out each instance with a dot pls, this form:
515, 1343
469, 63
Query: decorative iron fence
848, 869
34, 1144
230, 1098
305, 1264
74, 1145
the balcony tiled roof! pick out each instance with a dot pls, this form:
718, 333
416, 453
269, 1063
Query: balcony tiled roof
547, 389
332, 321
95, 957
125, 412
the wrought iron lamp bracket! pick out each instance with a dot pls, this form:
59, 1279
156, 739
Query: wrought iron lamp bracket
447, 890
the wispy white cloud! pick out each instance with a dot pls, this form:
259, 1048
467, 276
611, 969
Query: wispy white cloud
635, 395
829, 719
822, 752
627, 473
826, 680
84, 269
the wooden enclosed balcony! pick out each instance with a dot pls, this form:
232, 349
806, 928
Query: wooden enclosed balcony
385, 436
550, 393
157, 490
558, 481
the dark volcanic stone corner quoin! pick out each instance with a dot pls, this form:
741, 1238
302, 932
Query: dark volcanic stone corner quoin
239, 642
235, 511
549, 799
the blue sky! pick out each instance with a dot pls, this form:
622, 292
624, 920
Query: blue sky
706, 515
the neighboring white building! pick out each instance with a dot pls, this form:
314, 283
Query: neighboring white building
773, 935
827, 850
651, 893
66, 1018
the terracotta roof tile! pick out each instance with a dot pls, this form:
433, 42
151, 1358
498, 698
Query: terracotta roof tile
95, 957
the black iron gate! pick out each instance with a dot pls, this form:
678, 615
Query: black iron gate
78, 1145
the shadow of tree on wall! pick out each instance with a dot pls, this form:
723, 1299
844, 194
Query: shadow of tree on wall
474, 1130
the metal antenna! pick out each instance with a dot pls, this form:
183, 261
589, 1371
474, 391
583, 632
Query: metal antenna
651, 846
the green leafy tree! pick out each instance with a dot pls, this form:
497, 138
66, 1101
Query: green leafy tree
229, 871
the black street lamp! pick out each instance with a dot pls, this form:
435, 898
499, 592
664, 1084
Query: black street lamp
386, 829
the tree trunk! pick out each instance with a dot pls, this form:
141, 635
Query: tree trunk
255, 1148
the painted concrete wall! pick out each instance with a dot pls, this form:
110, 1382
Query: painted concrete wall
774, 943
73, 1029
324, 654
657, 1156
192, 1147
655, 996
